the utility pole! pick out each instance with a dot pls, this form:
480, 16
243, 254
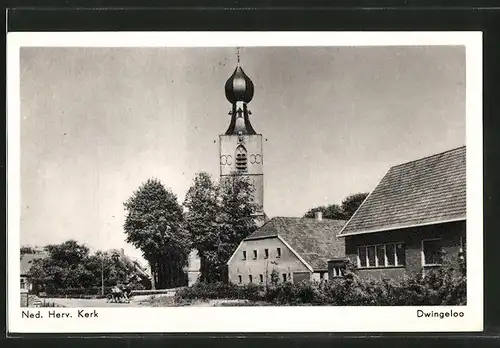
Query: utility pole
267, 271
102, 274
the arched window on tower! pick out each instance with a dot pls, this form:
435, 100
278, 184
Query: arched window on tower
241, 159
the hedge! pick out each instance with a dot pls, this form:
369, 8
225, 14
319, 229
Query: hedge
438, 287
154, 292
220, 290
85, 293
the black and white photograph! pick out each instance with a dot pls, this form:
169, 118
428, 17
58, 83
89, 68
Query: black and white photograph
310, 175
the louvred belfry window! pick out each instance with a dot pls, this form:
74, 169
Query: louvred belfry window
241, 159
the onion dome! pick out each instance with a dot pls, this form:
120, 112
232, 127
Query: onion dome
239, 87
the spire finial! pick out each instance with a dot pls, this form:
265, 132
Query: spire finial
238, 55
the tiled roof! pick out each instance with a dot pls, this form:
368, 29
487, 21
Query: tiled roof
315, 241
426, 191
127, 259
27, 261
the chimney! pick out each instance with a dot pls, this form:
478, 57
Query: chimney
318, 216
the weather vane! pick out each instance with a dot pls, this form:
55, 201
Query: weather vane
238, 55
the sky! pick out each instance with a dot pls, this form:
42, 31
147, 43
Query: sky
98, 122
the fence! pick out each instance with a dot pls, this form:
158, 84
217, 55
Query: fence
156, 292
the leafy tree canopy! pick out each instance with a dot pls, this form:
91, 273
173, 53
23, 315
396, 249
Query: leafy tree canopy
27, 250
202, 208
351, 203
70, 265
155, 224
236, 218
332, 211
343, 212
218, 217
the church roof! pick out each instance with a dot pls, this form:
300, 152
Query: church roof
239, 87
127, 259
422, 192
315, 241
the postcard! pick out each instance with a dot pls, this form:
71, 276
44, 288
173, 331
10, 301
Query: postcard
245, 182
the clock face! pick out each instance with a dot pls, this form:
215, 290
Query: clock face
226, 160
255, 159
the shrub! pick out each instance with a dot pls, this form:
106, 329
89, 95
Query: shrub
441, 286
251, 292
208, 291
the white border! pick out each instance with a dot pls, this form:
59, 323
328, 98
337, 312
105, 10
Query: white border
255, 319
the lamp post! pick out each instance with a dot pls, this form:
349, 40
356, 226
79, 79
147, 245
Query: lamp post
102, 274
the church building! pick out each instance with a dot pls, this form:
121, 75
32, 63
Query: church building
240, 150
241, 146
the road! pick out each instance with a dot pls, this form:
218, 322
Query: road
95, 303
137, 301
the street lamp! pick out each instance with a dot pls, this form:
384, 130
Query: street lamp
102, 274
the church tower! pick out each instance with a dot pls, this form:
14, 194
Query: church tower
240, 145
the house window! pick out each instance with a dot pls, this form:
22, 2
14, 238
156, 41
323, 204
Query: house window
432, 252
370, 256
362, 257
261, 276
278, 253
23, 284
284, 277
400, 254
266, 253
390, 252
250, 278
255, 254
244, 255
240, 279
338, 272
382, 255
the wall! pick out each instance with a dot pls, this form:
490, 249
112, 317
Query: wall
255, 161
24, 298
193, 268
318, 276
287, 263
450, 233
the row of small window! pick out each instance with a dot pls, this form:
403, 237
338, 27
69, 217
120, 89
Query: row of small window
382, 255
394, 254
266, 254
261, 278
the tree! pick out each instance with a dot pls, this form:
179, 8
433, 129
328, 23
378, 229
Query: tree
332, 211
219, 217
343, 212
155, 224
70, 265
201, 215
27, 250
351, 203
64, 267
236, 216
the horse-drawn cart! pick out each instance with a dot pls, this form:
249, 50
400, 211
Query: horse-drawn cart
119, 297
